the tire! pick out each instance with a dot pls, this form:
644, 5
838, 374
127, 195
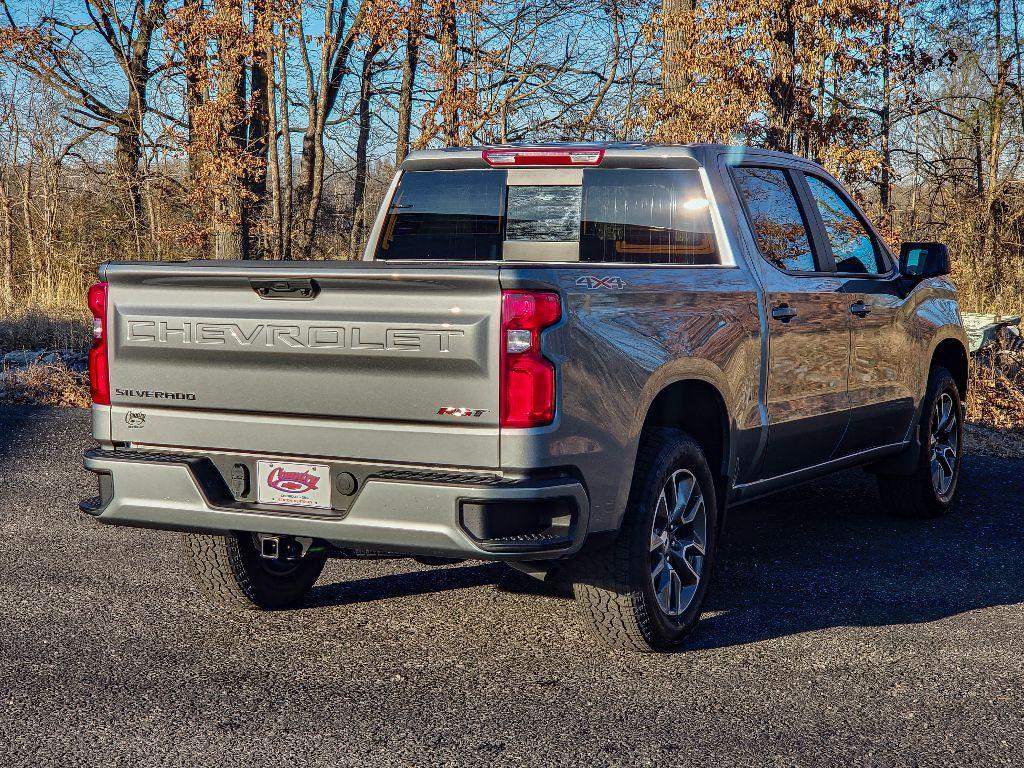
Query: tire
929, 491
614, 582
230, 572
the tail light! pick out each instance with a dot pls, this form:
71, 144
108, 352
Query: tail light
527, 377
99, 370
544, 156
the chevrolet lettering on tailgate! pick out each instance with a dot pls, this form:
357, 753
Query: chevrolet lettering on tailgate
352, 337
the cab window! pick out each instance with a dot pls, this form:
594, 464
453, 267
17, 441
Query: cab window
775, 218
853, 247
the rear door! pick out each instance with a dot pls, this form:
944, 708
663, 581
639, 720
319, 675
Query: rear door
359, 361
880, 392
808, 322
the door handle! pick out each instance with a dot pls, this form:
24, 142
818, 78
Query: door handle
784, 312
860, 309
292, 290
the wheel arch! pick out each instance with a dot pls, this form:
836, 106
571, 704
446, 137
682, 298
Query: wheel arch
697, 406
951, 354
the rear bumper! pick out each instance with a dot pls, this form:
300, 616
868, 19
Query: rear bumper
405, 513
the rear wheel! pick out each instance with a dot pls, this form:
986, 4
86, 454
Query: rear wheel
930, 489
230, 571
645, 589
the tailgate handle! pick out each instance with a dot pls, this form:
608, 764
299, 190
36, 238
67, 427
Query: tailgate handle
296, 290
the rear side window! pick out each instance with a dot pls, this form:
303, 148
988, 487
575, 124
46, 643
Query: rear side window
775, 218
636, 216
643, 216
451, 215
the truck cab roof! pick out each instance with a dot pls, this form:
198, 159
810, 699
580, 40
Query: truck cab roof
616, 154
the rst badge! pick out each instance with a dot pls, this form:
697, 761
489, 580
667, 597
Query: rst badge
473, 413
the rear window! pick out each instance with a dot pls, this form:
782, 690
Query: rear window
635, 216
451, 215
646, 217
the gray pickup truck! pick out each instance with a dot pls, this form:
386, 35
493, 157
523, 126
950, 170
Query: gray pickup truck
573, 358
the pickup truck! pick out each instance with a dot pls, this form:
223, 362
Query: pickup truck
570, 357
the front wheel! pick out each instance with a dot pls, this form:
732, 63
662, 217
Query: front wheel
930, 489
644, 591
230, 571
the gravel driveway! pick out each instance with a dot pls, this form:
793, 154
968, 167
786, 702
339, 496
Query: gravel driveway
835, 635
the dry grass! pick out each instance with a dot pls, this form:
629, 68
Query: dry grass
996, 396
44, 384
39, 327
995, 405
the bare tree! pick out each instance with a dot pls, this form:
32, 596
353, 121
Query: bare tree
50, 50
322, 89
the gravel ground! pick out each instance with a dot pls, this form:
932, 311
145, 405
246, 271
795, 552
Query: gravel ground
834, 635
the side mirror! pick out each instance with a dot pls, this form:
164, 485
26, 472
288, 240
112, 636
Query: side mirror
921, 260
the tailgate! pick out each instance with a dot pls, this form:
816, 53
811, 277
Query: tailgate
374, 362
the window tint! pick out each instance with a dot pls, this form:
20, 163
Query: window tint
547, 213
775, 218
618, 215
646, 217
453, 215
852, 245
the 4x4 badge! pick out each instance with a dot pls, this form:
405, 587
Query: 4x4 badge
595, 283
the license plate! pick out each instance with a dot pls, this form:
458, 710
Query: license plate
300, 485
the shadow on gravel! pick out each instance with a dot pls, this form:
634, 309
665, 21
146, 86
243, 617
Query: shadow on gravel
825, 555
441, 579
819, 556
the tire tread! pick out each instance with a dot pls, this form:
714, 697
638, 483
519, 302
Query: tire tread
221, 574
611, 605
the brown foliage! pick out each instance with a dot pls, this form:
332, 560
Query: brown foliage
996, 394
43, 384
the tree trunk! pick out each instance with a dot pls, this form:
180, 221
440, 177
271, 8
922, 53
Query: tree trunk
7, 275
335, 51
127, 156
675, 75
286, 151
448, 72
257, 140
781, 87
196, 77
993, 201
228, 226
273, 160
130, 124
30, 241
885, 128
257, 144
409, 65
1018, 61
362, 144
